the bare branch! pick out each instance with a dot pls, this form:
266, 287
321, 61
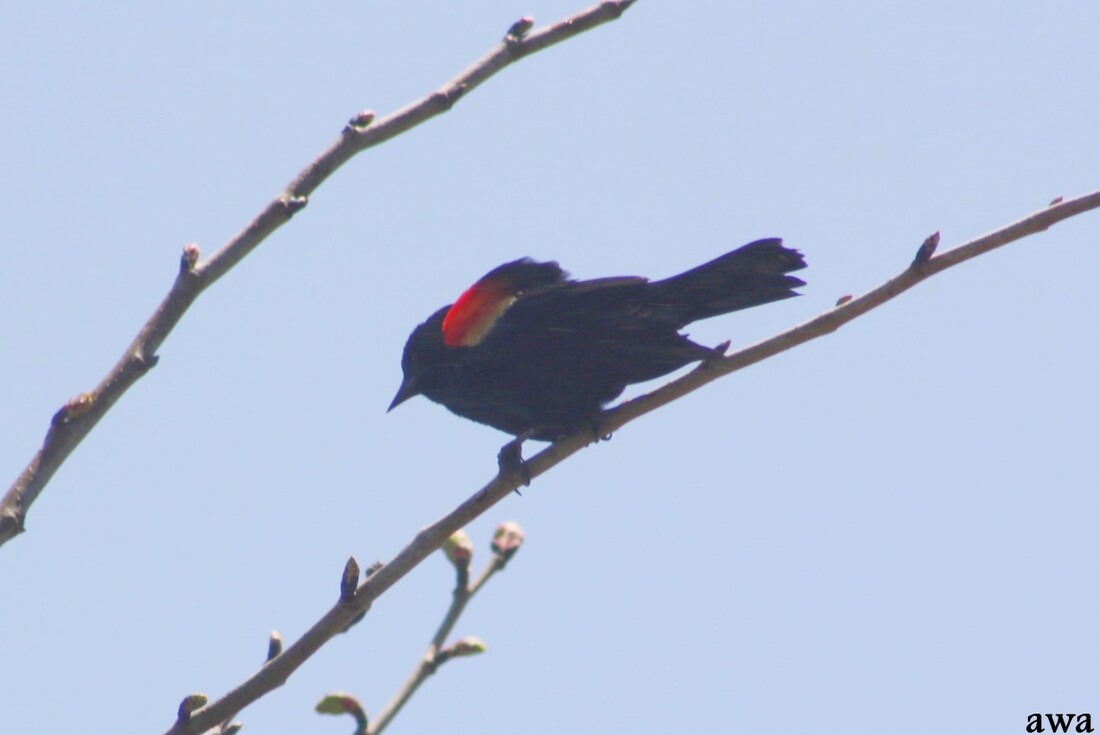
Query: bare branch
429, 662
77, 418
430, 538
847, 309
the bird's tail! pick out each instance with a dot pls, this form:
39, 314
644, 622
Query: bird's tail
751, 275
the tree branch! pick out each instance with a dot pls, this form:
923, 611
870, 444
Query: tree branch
430, 538
922, 267
463, 593
79, 416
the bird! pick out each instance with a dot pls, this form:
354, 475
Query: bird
531, 352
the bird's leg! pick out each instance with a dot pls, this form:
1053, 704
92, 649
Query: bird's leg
510, 458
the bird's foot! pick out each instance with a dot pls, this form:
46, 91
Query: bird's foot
510, 458
598, 434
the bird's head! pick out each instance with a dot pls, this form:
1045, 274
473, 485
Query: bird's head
435, 347
422, 363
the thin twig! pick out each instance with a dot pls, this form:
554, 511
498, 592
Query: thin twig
463, 592
78, 417
430, 538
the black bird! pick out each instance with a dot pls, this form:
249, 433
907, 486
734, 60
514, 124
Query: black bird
530, 352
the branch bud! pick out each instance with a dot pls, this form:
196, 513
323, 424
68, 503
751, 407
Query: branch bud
74, 408
189, 704
927, 248
274, 645
349, 581
468, 646
459, 550
507, 539
361, 120
520, 28
190, 257
339, 703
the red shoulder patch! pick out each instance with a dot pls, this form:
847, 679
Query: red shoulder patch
475, 312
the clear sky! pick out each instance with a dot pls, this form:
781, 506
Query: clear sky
891, 529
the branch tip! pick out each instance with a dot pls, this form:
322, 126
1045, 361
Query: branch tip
340, 703
274, 645
926, 249
189, 704
519, 29
361, 120
349, 581
507, 538
190, 257
468, 646
459, 550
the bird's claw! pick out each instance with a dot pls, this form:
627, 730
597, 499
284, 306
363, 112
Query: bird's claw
510, 459
598, 434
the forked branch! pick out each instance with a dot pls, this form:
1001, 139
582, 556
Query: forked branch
506, 541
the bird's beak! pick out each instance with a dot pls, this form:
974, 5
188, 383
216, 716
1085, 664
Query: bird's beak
408, 389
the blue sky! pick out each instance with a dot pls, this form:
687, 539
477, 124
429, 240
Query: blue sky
889, 529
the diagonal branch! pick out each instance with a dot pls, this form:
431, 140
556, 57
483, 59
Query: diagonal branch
923, 266
80, 415
277, 671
